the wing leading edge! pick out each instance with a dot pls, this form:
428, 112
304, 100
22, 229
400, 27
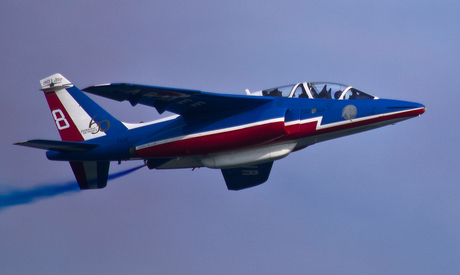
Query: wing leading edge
179, 101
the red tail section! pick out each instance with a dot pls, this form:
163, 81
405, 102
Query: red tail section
65, 125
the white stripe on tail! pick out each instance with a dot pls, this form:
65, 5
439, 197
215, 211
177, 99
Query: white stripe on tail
72, 120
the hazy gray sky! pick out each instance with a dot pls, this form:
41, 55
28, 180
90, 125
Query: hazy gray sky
380, 202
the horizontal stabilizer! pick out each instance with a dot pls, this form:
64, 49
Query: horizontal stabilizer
55, 145
247, 176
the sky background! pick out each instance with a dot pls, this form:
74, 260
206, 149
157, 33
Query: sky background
380, 202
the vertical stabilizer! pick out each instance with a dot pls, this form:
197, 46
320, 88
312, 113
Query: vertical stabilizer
91, 174
77, 117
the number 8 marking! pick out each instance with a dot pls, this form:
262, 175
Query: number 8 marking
59, 117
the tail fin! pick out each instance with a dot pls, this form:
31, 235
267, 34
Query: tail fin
77, 117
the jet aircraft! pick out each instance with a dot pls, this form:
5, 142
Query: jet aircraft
240, 134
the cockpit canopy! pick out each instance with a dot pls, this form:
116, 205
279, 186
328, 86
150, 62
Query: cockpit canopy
322, 90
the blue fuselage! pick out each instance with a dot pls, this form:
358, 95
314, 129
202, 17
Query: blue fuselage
299, 122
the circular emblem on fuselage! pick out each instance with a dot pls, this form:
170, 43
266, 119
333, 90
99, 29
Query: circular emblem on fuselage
349, 112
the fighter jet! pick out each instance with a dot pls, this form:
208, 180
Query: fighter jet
240, 134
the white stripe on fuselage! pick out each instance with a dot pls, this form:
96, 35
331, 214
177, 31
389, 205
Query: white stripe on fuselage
259, 123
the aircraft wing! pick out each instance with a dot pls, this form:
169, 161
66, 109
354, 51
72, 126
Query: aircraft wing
179, 101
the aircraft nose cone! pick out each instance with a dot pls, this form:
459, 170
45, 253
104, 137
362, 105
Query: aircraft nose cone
419, 108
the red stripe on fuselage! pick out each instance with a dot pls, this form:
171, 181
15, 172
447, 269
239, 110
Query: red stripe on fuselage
217, 142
